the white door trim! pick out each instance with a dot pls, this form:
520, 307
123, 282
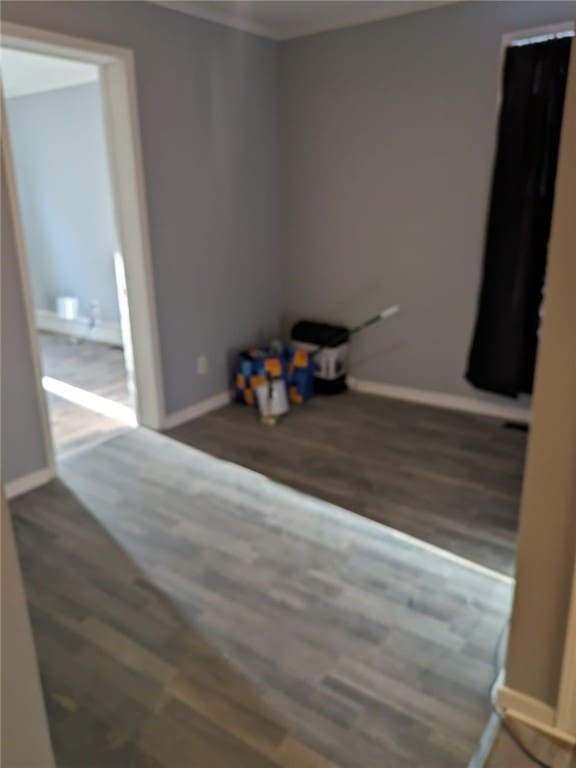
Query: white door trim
566, 712
127, 178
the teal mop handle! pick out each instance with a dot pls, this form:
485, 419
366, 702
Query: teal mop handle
384, 315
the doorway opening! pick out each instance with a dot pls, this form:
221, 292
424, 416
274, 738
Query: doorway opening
71, 150
55, 117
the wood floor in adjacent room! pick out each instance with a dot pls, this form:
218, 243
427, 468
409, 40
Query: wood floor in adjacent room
91, 366
451, 479
188, 613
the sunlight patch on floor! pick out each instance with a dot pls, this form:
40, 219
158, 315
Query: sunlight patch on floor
90, 401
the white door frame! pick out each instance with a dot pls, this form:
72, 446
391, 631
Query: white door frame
566, 714
555, 718
121, 122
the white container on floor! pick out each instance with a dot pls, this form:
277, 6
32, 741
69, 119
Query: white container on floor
67, 307
272, 400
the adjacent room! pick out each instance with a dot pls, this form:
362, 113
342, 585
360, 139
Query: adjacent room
76, 274
286, 383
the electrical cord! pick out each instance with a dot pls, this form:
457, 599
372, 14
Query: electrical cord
506, 727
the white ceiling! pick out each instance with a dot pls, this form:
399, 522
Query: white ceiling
285, 19
24, 73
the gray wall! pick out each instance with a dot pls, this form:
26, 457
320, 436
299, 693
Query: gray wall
388, 141
208, 116
22, 446
388, 137
65, 197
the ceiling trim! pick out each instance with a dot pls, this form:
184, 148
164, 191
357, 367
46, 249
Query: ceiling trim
356, 20
220, 17
304, 30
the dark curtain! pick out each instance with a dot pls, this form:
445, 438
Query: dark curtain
503, 353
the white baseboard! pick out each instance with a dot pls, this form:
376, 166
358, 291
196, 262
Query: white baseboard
486, 743
108, 333
28, 482
510, 699
532, 712
172, 420
504, 411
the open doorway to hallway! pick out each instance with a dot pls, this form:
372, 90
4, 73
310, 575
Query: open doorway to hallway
55, 117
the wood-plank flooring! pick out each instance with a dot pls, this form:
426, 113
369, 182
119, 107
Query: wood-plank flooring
92, 366
89, 365
451, 479
189, 613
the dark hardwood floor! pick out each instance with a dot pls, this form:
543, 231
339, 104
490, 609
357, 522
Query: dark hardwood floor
447, 478
189, 613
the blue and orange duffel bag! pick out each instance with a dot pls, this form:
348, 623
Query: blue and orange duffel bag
295, 366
